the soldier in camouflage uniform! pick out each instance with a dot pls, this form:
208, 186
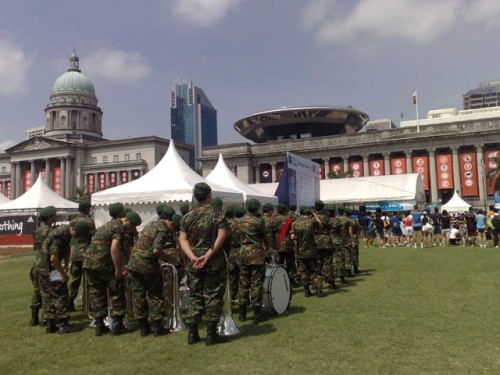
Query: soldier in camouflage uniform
53, 278
47, 217
285, 245
336, 230
324, 244
355, 229
303, 234
184, 209
145, 272
78, 248
272, 255
104, 267
347, 241
252, 263
202, 235
232, 247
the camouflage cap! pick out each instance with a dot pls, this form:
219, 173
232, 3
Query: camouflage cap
253, 204
203, 187
216, 202
83, 228
115, 209
163, 208
184, 208
84, 204
134, 218
47, 212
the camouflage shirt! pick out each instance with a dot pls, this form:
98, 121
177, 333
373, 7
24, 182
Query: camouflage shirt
286, 244
98, 256
56, 243
79, 244
252, 231
234, 253
39, 237
155, 235
304, 228
271, 229
336, 231
323, 240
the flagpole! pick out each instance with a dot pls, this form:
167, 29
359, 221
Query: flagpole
415, 101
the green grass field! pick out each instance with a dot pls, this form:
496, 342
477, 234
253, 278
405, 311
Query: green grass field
412, 311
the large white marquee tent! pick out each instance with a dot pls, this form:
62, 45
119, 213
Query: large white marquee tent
171, 180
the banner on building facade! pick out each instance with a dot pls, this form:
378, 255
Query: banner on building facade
398, 166
376, 167
444, 170
299, 182
421, 166
113, 179
56, 186
101, 180
489, 164
123, 177
322, 171
468, 174
91, 183
337, 168
17, 230
356, 168
136, 173
27, 181
265, 173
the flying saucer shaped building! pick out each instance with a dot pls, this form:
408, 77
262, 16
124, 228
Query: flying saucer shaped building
300, 122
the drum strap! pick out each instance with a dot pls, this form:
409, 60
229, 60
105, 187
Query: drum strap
284, 229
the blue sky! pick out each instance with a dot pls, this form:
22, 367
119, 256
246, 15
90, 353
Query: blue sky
247, 55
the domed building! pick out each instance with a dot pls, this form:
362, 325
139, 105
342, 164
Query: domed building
70, 151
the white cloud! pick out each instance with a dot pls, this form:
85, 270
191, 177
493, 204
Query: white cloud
4, 145
116, 65
14, 65
417, 21
203, 12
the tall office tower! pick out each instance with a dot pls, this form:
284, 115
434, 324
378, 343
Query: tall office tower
486, 95
193, 119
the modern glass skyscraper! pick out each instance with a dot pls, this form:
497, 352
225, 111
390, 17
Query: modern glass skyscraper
193, 119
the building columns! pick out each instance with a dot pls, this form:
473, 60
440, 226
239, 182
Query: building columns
481, 178
273, 172
432, 175
409, 166
63, 178
345, 159
48, 180
456, 169
387, 164
19, 182
366, 167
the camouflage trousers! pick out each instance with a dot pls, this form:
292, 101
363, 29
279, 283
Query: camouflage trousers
250, 284
76, 272
287, 260
54, 297
99, 285
355, 255
326, 262
147, 292
348, 251
36, 299
339, 260
233, 272
310, 271
207, 293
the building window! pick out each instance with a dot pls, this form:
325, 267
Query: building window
104, 159
4, 169
127, 157
115, 158
93, 160
138, 156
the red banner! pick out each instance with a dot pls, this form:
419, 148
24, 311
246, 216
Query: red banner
337, 168
322, 171
123, 177
398, 166
136, 173
57, 180
27, 181
91, 183
468, 174
356, 168
376, 167
8, 189
489, 165
444, 168
420, 166
102, 180
112, 179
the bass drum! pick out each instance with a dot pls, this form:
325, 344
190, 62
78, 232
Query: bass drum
277, 293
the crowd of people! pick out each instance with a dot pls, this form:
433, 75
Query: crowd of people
318, 248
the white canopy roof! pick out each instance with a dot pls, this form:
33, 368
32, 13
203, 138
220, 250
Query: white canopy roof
403, 187
222, 174
39, 196
169, 181
3, 199
455, 204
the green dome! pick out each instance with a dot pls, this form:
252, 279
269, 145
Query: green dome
73, 81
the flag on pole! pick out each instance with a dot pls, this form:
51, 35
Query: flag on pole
415, 97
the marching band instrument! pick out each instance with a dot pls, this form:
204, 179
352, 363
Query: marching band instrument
227, 325
172, 299
277, 292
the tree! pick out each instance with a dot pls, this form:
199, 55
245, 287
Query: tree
493, 176
80, 192
333, 175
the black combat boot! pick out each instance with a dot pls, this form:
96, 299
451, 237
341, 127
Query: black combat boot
348, 272
34, 316
344, 280
307, 291
71, 305
356, 270
64, 326
319, 292
212, 336
158, 329
193, 335
242, 313
145, 329
100, 327
257, 315
331, 285
51, 326
118, 328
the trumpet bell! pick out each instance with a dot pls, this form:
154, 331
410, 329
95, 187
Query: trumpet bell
227, 326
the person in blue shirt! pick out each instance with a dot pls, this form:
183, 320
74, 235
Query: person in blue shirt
481, 228
396, 232
417, 226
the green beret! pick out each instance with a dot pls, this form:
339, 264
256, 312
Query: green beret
126, 209
47, 212
281, 206
116, 209
319, 205
184, 208
268, 206
239, 211
230, 210
83, 229
165, 209
216, 202
134, 218
84, 204
303, 209
331, 207
202, 186
293, 207
176, 219
253, 204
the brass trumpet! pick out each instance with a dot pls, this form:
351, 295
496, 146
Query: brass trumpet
172, 299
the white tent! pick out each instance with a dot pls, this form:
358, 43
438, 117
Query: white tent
3, 199
222, 175
456, 204
37, 197
171, 180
